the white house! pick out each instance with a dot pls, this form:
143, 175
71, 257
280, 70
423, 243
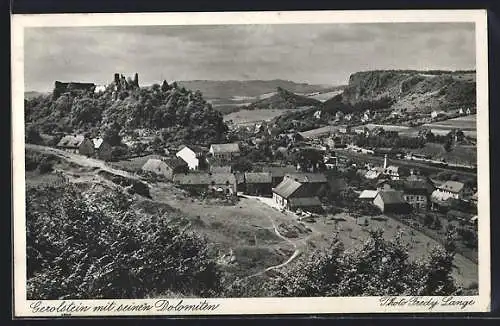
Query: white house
102, 149
191, 157
449, 189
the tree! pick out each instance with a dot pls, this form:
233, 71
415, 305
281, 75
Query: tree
111, 134
33, 136
242, 165
93, 245
379, 267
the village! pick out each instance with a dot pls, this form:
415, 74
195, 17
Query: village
313, 188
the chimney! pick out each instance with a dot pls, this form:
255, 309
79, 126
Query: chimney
385, 161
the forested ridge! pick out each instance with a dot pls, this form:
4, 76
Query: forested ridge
179, 112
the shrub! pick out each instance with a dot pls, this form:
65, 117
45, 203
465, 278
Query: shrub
379, 267
91, 245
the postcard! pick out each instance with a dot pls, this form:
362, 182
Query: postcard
250, 163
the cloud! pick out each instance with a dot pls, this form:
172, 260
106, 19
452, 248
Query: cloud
316, 53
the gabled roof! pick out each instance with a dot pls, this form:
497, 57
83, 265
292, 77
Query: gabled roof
307, 177
225, 148
205, 178
417, 186
174, 162
391, 197
368, 194
305, 202
258, 177
193, 148
452, 186
279, 171
71, 141
287, 187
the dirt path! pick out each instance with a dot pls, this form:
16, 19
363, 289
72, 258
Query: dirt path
81, 160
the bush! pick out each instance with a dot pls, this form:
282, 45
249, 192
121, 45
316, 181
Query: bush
93, 246
379, 267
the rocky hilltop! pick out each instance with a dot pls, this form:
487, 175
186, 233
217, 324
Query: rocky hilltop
284, 100
412, 90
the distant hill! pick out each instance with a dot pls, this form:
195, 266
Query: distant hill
412, 90
31, 94
227, 89
282, 100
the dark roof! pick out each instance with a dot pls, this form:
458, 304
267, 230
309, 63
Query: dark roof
307, 177
279, 171
220, 169
174, 162
287, 187
391, 197
226, 148
204, 178
305, 202
258, 177
417, 187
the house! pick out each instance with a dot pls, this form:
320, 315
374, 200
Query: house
416, 193
215, 182
225, 151
292, 195
314, 183
317, 114
220, 169
449, 189
278, 173
368, 195
102, 149
166, 168
330, 162
193, 156
374, 173
308, 204
391, 201
392, 172
77, 144
258, 183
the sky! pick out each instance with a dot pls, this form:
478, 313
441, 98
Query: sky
313, 53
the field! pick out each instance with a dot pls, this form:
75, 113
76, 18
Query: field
466, 123
352, 235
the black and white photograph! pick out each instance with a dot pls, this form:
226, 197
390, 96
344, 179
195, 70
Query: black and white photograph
174, 165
